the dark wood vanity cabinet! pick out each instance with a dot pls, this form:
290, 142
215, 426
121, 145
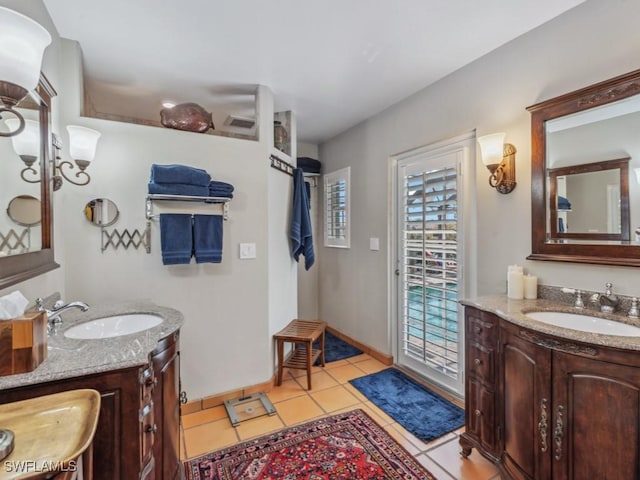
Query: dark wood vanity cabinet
564, 409
138, 428
482, 429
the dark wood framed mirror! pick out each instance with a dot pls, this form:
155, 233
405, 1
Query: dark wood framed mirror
19, 266
588, 131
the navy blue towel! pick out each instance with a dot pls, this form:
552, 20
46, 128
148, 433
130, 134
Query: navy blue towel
220, 189
176, 238
178, 189
563, 203
300, 231
179, 174
207, 238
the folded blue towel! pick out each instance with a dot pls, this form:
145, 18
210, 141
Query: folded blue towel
207, 238
563, 203
300, 231
223, 193
179, 174
221, 186
178, 189
176, 238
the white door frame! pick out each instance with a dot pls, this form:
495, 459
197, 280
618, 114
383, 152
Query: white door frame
467, 185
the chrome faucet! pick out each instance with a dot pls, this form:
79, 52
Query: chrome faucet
607, 300
579, 303
54, 315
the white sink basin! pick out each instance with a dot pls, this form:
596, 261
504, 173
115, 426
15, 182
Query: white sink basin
585, 323
115, 326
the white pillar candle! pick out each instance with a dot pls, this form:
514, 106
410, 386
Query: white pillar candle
515, 282
530, 287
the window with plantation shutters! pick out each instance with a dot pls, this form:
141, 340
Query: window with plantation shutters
337, 208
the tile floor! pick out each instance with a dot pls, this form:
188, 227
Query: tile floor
210, 429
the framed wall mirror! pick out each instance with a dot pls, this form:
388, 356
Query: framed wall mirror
585, 178
25, 172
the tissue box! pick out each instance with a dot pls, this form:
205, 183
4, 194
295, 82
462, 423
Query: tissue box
23, 343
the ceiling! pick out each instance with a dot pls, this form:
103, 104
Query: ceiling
334, 63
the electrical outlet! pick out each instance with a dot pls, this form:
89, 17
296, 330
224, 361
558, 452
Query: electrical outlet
247, 250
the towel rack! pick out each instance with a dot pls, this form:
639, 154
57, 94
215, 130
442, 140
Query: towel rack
217, 201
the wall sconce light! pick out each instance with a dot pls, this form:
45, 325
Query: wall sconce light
23, 42
500, 159
637, 170
82, 148
27, 145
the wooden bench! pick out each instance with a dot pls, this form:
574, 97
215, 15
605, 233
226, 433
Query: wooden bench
302, 333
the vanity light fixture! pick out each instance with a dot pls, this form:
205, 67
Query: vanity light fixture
23, 42
500, 160
27, 145
82, 148
637, 170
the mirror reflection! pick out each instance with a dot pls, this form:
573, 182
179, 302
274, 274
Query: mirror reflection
20, 231
591, 160
25, 210
101, 212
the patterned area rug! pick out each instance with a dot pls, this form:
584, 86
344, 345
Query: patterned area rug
347, 446
424, 413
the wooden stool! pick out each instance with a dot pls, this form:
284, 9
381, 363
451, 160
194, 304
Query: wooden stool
303, 332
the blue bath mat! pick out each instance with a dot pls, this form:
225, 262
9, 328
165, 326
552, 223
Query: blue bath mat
419, 410
337, 349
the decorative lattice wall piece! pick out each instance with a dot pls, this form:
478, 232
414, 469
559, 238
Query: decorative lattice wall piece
135, 239
13, 240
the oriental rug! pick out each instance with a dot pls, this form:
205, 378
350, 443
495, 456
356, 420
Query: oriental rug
419, 410
346, 446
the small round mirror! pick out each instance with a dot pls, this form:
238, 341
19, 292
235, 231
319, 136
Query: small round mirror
25, 210
101, 212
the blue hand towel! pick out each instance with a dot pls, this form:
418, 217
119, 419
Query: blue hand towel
207, 238
179, 174
176, 238
300, 231
178, 189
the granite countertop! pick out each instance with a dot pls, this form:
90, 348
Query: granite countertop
514, 311
67, 358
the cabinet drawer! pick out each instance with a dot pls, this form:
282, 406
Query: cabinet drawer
480, 416
147, 381
482, 328
148, 429
481, 362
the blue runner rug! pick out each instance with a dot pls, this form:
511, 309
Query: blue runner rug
337, 349
425, 414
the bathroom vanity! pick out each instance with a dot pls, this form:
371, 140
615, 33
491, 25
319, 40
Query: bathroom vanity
138, 378
544, 402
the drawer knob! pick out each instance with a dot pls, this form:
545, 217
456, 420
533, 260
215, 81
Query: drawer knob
477, 329
478, 413
477, 361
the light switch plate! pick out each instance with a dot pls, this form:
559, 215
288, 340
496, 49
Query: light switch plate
247, 250
374, 243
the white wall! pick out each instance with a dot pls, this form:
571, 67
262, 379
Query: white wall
308, 280
595, 41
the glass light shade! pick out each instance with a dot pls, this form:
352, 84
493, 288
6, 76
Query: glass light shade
82, 142
26, 142
637, 170
491, 148
22, 44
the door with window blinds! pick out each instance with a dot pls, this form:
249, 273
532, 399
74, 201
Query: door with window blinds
429, 319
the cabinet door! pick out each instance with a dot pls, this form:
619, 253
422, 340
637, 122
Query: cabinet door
598, 431
166, 398
526, 369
